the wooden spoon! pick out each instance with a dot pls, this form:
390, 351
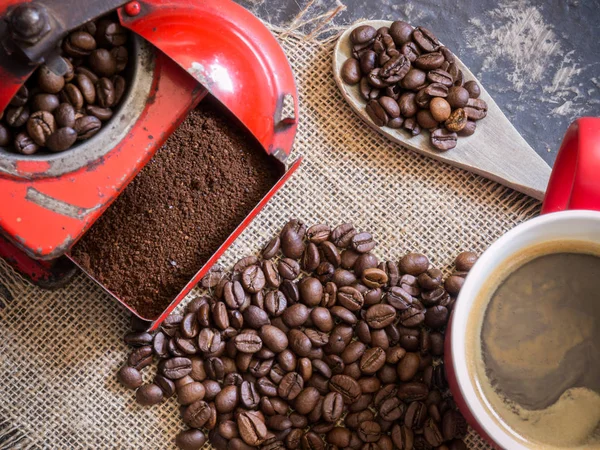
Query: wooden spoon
496, 150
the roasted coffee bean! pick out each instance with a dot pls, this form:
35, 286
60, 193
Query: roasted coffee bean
342, 235
374, 277
20, 98
380, 316
369, 431
426, 120
219, 315
5, 136
48, 81
105, 93
457, 97
350, 298
64, 115
415, 416
436, 316
413, 79
363, 242
86, 127
103, 62
414, 264
425, 39
255, 317
367, 61
275, 303
411, 51
412, 126
400, 32
372, 360
473, 89
253, 279
252, 428
45, 102
87, 89
288, 268
248, 343
346, 386
321, 318
197, 414
227, 400
273, 338
104, 114
443, 139
79, 44
391, 409
333, 407
430, 61
408, 105
377, 113
72, 95
312, 441
61, 140
175, 368
412, 391
190, 440
350, 71
149, 394
457, 120
408, 366
440, 109
367, 91
363, 34
272, 248
110, 34
465, 261
476, 109
138, 338
307, 400
167, 386
469, 129
17, 116
140, 357
292, 245
191, 392
129, 377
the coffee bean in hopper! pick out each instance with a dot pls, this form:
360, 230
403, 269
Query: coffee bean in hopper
278, 363
94, 55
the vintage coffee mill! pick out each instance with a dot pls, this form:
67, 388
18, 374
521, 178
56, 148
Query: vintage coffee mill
182, 51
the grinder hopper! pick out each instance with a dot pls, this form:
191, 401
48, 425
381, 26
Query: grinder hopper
184, 50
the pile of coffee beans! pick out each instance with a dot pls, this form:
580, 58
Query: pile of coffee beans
52, 112
315, 344
411, 81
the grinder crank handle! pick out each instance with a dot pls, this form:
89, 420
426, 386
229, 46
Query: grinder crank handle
575, 179
29, 32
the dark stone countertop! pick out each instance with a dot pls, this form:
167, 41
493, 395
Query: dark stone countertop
540, 60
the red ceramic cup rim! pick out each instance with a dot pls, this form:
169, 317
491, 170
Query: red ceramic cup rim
574, 225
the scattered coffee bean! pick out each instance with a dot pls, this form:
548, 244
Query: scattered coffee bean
279, 368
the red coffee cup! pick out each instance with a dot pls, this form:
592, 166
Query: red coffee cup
570, 212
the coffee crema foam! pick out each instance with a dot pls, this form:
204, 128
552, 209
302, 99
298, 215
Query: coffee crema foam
534, 338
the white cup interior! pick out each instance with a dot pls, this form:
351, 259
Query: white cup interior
561, 226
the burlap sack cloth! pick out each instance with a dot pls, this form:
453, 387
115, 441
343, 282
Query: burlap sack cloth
59, 351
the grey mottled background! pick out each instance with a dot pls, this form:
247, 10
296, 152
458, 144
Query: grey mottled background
540, 60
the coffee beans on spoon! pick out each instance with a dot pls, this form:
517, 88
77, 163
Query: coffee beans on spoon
275, 361
52, 112
411, 81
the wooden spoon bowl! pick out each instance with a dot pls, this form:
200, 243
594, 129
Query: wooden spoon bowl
496, 151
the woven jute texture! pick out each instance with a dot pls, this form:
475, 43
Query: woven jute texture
59, 351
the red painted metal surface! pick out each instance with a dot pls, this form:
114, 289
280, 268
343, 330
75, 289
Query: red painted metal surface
222, 46
575, 179
41, 231
233, 55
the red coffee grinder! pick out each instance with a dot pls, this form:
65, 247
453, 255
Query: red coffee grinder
183, 50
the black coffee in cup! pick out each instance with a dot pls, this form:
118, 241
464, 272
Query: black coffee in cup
538, 346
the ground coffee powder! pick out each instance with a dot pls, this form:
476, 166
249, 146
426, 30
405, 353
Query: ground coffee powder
176, 213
